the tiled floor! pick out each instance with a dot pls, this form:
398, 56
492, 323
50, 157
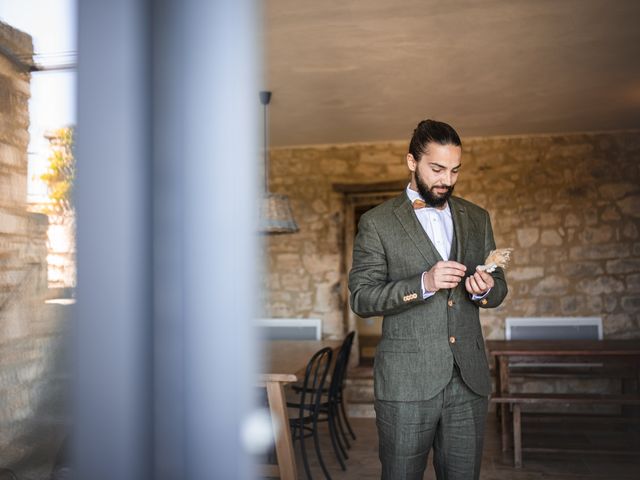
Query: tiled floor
363, 462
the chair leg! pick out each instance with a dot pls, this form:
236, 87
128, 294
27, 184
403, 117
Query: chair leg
342, 438
316, 441
334, 437
303, 450
346, 419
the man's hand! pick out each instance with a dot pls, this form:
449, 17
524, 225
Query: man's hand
479, 283
443, 275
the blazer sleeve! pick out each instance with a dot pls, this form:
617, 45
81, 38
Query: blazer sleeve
499, 290
372, 293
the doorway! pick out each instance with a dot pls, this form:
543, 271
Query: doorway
358, 199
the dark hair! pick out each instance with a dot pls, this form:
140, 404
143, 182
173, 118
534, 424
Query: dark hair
432, 131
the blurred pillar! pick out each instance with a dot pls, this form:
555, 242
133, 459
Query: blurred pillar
167, 123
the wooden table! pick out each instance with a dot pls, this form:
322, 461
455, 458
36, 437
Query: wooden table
285, 362
551, 351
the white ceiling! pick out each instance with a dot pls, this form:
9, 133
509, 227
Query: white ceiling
369, 70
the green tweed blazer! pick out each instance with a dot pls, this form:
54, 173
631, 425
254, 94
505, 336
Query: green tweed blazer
421, 338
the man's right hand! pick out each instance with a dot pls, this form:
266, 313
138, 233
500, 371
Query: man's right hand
443, 275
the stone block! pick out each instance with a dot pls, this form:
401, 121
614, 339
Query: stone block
11, 223
294, 282
631, 304
633, 282
332, 166
617, 190
289, 262
304, 301
590, 216
281, 296
333, 276
572, 220
527, 237
572, 304
524, 307
381, 157
319, 264
630, 206
12, 157
547, 306
600, 252
616, 325
281, 310
570, 151
525, 273
582, 269
630, 231
553, 285
600, 234
610, 214
544, 197
551, 238
397, 172
273, 280
609, 303
548, 255
627, 265
601, 285
550, 219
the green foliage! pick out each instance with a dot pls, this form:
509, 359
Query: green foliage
61, 170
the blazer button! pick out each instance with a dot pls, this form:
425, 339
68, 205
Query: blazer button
484, 301
452, 339
450, 303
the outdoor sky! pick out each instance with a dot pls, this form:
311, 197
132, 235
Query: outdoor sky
52, 25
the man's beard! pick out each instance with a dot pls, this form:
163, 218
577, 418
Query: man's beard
431, 198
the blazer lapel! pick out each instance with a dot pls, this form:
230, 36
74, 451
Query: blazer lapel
406, 216
461, 227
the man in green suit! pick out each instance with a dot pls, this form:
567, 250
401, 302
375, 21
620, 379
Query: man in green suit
414, 262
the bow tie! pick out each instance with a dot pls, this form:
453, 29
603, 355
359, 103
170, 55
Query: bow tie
418, 204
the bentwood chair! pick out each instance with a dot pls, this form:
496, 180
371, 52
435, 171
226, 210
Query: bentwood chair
332, 405
7, 474
304, 420
336, 396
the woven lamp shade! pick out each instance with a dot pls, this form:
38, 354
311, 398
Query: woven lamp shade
276, 215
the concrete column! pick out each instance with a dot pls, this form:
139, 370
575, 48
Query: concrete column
167, 125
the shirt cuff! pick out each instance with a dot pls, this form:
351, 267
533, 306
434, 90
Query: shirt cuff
425, 294
475, 297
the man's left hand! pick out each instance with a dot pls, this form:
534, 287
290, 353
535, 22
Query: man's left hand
479, 283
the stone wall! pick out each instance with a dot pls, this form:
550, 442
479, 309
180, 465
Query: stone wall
31, 386
61, 248
568, 204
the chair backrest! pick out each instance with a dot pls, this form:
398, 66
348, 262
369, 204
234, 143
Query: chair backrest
314, 379
341, 365
289, 328
7, 474
553, 328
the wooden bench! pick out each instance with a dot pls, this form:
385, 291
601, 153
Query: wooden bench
516, 400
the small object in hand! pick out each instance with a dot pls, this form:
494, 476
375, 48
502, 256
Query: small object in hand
497, 258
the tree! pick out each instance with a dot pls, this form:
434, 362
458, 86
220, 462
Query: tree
61, 172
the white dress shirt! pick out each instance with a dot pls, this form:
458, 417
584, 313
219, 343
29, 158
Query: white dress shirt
438, 225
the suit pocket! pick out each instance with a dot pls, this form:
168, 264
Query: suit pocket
396, 345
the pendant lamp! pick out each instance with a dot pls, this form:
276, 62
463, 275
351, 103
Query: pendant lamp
276, 215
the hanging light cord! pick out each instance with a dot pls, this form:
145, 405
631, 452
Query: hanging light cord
266, 152
265, 98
